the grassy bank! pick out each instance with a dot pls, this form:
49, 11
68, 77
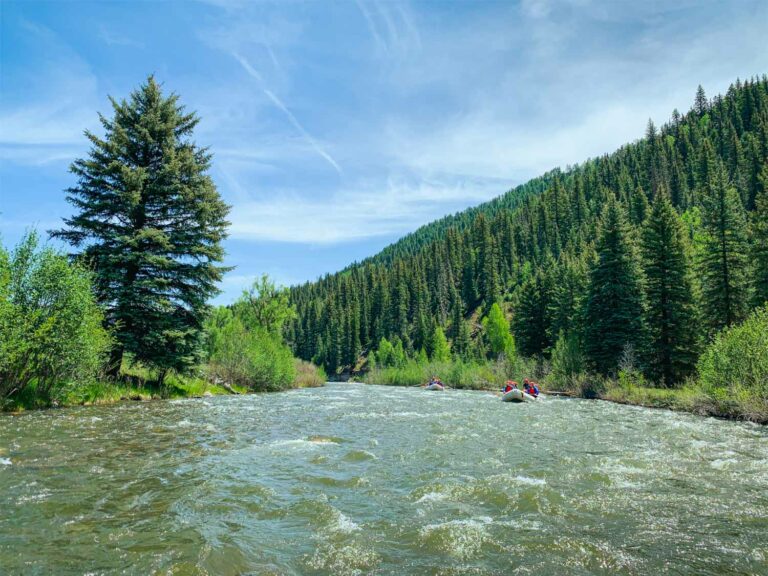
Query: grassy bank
140, 384
731, 379
692, 397
735, 402
740, 400
455, 374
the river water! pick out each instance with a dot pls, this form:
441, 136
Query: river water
356, 479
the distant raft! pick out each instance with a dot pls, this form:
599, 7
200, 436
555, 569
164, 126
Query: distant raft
435, 386
516, 395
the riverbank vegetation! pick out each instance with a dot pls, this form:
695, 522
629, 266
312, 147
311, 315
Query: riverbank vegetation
731, 378
246, 344
126, 314
622, 277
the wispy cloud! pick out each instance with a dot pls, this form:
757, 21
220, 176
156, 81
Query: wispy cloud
368, 210
48, 125
378, 40
280, 105
392, 27
112, 38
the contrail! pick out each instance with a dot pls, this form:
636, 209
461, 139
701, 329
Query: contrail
291, 118
247, 65
380, 44
279, 103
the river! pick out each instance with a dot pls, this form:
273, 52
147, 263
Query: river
356, 479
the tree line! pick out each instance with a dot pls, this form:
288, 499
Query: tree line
642, 255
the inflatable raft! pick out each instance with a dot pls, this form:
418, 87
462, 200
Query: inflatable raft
435, 386
516, 395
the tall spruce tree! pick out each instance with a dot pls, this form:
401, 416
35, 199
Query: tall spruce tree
673, 343
462, 344
150, 222
614, 306
760, 241
723, 262
532, 315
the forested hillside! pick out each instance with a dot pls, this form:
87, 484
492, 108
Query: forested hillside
647, 252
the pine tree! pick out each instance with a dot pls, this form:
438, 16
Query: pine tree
457, 317
532, 318
701, 104
150, 222
614, 306
760, 241
638, 207
724, 254
566, 303
671, 312
462, 345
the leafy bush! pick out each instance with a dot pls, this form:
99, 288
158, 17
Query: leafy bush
568, 363
390, 355
308, 375
441, 351
733, 371
500, 339
51, 334
252, 357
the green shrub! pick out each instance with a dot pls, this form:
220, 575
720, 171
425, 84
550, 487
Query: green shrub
252, 357
568, 363
391, 355
733, 371
441, 351
497, 332
51, 334
308, 375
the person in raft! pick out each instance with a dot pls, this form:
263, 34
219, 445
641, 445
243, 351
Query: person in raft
435, 380
531, 388
509, 386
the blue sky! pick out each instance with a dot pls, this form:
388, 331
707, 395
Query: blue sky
337, 127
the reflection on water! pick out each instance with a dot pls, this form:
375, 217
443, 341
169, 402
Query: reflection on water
354, 479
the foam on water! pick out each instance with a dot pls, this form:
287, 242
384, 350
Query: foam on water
432, 497
301, 443
344, 560
344, 524
525, 480
462, 539
5, 461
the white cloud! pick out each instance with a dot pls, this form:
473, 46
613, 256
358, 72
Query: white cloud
368, 210
49, 126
